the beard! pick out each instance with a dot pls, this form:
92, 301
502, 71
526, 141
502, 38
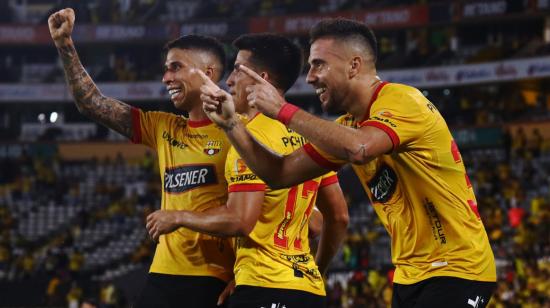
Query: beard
332, 104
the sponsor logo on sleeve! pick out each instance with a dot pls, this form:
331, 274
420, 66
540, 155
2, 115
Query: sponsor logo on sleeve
243, 178
184, 178
240, 166
383, 184
172, 141
383, 120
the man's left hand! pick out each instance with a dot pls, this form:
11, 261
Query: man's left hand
161, 222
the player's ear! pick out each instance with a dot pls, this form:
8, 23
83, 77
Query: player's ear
266, 76
355, 66
210, 72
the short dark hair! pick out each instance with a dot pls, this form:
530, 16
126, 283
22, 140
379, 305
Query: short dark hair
200, 42
278, 55
343, 28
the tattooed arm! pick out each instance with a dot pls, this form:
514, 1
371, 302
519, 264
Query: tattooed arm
89, 100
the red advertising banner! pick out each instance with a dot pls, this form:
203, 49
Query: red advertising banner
24, 34
386, 18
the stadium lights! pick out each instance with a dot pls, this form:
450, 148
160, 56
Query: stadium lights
53, 117
42, 118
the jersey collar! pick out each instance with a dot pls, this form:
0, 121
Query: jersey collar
373, 98
200, 123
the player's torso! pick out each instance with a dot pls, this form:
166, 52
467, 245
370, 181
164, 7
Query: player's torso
191, 162
191, 165
276, 253
423, 197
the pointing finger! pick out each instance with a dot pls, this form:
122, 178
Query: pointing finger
204, 77
251, 73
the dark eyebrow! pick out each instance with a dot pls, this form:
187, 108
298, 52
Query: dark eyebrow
316, 61
172, 64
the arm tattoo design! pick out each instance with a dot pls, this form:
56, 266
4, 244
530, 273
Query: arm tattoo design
89, 100
358, 156
230, 126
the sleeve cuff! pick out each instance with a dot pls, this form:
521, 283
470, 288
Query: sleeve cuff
246, 187
391, 133
136, 125
333, 179
319, 159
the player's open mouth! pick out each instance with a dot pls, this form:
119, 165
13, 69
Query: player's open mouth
320, 91
174, 93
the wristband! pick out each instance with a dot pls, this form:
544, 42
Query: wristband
286, 113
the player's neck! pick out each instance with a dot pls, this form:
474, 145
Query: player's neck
363, 95
197, 114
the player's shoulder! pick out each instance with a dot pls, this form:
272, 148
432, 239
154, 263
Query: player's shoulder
399, 96
262, 126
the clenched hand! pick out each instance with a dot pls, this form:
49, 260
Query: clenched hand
61, 25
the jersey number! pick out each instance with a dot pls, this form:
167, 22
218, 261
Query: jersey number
280, 237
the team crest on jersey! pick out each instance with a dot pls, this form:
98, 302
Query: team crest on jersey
383, 184
240, 166
213, 147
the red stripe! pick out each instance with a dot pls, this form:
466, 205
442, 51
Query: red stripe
319, 159
393, 135
246, 187
373, 98
473, 206
468, 183
136, 125
199, 123
329, 181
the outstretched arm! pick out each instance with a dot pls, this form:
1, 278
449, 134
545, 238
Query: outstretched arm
357, 146
89, 100
276, 170
237, 218
332, 204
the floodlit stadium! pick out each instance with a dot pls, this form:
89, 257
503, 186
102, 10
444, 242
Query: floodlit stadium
75, 195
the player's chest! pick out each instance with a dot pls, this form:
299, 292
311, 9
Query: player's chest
193, 147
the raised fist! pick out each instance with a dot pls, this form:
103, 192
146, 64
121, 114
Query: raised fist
61, 26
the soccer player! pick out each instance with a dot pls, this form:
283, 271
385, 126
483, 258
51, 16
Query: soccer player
274, 267
189, 269
400, 147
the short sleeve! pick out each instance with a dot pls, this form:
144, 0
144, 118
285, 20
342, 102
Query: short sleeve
239, 177
324, 159
146, 125
399, 116
328, 179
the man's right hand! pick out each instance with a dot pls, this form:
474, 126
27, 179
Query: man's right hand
61, 25
217, 103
